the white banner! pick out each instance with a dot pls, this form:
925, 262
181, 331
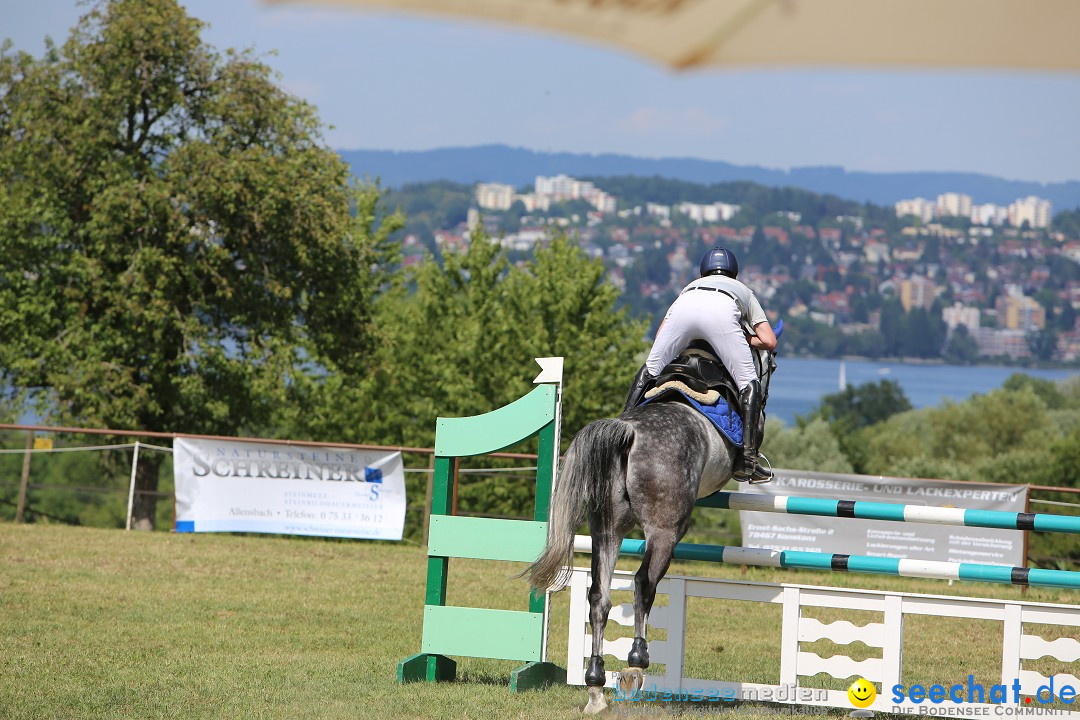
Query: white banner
230, 486
881, 538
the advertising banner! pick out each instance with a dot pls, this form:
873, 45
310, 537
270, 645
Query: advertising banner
232, 486
882, 538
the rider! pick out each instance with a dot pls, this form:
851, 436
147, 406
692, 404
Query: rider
724, 312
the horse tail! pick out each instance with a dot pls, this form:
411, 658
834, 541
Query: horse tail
594, 462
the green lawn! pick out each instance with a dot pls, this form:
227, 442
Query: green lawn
107, 623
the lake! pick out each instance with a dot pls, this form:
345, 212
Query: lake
799, 383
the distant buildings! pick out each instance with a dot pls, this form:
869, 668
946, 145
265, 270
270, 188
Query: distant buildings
989, 214
494, 196
1019, 312
836, 260
712, 213
564, 187
917, 292
534, 202
960, 314
953, 205
1002, 343
655, 210
919, 207
547, 190
1035, 211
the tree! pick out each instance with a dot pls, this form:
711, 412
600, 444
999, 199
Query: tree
1047, 390
475, 325
459, 339
1068, 222
854, 408
858, 406
1066, 319
1064, 465
961, 348
969, 440
177, 242
805, 447
893, 326
867, 344
1043, 344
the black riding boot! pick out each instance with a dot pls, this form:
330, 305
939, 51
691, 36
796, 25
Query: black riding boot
750, 469
637, 388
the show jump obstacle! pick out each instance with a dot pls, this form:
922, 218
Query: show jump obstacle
482, 632
893, 512
1022, 636
473, 632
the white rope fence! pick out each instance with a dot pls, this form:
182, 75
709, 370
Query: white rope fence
137, 445
84, 448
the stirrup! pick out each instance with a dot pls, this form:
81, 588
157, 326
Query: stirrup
761, 474
758, 475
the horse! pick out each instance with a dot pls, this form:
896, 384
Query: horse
646, 467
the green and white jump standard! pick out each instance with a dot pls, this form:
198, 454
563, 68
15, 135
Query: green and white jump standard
481, 632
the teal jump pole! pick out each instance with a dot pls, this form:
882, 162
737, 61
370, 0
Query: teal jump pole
969, 572
1039, 522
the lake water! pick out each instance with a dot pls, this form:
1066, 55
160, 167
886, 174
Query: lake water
799, 383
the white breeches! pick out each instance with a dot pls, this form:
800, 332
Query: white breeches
704, 315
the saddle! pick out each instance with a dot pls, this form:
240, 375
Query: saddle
697, 370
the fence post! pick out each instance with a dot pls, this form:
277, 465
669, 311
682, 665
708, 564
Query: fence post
427, 496
131, 489
24, 481
457, 482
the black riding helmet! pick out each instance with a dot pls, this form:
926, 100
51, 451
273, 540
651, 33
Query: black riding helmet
719, 260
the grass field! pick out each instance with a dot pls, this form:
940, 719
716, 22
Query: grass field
111, 624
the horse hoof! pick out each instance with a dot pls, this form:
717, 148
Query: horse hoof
597, 704
630, 681
639, 654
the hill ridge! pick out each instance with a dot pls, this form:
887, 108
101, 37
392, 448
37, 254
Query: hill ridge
520, 166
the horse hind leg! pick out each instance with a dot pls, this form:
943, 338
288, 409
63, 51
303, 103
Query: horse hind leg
604, 553
659, 549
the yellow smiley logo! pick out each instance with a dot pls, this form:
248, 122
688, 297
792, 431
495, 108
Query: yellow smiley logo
862, 693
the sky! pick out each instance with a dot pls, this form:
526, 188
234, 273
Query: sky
402, 82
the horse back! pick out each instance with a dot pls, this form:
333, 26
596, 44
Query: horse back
679, 451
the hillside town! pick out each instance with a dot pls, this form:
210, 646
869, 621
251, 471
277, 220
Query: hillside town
967, 280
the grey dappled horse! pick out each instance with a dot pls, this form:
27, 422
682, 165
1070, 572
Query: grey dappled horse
646, 467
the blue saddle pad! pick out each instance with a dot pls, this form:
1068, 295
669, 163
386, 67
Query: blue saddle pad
726, 418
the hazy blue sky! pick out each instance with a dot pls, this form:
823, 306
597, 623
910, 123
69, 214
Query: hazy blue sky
400, 82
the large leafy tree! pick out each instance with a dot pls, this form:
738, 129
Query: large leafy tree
459, 338
176, 240
856, 407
